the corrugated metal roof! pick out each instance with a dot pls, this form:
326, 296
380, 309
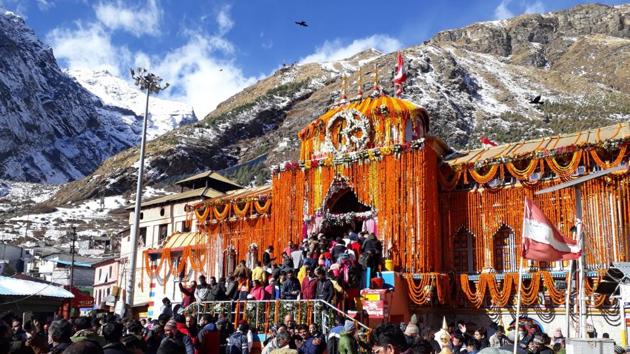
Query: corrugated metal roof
525, 148
211, 175
79, 261
189, 194
19, 287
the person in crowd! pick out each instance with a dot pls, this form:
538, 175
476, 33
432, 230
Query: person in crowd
202, 291
167, 307
297, 258
499, 339
257, 292
290, 248
84, 331
309, 285
272, 291
112, 332
231, 288
388, 339
59, 334
480, 338
133, 345
268, 257
242, 271
239, 342
181, 329
85, 347
188, 293
283, 340
259, 274
291, 287
208, 336
325, 290
173, 340
457, 344
347, 341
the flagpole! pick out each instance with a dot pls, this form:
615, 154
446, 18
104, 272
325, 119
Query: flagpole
518, 303
567, 302
582, 296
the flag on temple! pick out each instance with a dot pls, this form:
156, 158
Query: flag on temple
400, 77
487, 143
541, 239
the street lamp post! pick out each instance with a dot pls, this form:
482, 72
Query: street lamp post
150, 83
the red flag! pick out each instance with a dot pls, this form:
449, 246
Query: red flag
487, 143
400, 77
541, 239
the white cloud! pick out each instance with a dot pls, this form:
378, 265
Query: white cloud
197, 72
44, 5
224, 20
135, 20
87, 47
198, 77
502, 12
336, 50
535, 8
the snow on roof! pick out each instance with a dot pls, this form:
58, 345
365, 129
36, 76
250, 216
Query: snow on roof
19, 287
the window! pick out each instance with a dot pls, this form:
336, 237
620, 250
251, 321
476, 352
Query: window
143, 236
504, 250
464, 252
162, 212
100, 273
185, 226
110, 271
162, 232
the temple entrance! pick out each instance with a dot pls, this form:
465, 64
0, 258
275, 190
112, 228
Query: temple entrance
342, 211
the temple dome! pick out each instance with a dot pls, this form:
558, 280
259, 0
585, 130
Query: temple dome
369, 123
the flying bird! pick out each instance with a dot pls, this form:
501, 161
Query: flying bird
301, 23
536, 100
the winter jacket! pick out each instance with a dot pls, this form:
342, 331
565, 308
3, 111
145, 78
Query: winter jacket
291, 289
231, 290
202, 292
189, 339
347, 344
208, 338
87, 334
114, 348
188, 294
325, 290
309, 287
310, 348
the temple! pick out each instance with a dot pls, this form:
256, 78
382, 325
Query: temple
450, 222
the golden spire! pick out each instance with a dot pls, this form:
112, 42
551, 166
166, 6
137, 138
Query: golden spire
343, 87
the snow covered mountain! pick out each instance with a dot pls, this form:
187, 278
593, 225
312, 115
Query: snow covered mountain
474, 81
165, 115
53, 130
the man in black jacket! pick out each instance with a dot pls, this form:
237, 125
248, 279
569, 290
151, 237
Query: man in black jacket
325, 290
112, 332
291, 287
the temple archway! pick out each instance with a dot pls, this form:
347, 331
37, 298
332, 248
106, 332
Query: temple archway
342, 211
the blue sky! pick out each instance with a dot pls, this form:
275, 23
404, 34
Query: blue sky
209, 50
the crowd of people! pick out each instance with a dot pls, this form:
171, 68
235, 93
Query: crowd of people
331, 270
181, 334
319, 268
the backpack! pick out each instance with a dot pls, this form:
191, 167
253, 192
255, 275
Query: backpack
364, 260
235, 343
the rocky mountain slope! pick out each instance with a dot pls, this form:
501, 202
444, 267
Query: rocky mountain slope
474, 81
53, 130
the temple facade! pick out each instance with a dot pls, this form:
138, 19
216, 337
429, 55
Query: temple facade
450, 222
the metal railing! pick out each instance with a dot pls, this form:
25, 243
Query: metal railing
262, 314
